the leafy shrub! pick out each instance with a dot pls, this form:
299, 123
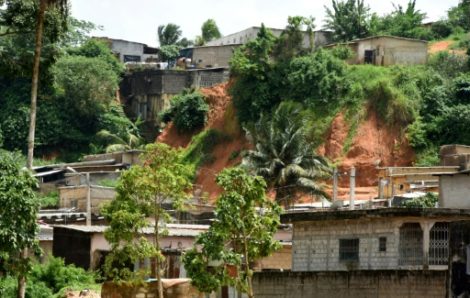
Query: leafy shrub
448, 64
392, 105
441, 29
57, 276
342, 52
316, 79
188, 111
50, 200
8, 287
462, 89
428, 201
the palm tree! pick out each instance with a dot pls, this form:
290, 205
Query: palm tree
284, 157
62, 5
118, 143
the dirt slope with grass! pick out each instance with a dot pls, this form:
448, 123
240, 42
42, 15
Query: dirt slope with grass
373, 144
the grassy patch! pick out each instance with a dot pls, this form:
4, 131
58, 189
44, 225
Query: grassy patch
50, 200
199, 151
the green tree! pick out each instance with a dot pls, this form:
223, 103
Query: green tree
242, 233
169, 52
283, 156
252, 65
141, 193
348, 19
169, 34
87, 85
18, 227
404, 22
210, 31
458, 16
290, 43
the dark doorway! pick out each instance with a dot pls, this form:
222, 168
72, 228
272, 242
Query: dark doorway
459, 248
369, 57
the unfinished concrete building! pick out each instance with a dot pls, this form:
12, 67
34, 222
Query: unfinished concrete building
386, 50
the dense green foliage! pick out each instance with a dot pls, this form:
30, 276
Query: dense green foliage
240, 235
18, 227
85, 81
425, 103
188, 111
428, 201
50, 279
349, 19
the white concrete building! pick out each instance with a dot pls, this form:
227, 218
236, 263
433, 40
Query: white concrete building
320, 37
129, 51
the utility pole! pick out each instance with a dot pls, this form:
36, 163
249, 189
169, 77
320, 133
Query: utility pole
352, 187
335, 184
88, 200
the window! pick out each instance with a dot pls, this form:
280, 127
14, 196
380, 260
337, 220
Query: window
382, 244
411, 244
349, 250
439, 244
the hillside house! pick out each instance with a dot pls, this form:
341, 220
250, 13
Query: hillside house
130, 51
320, 37
399, 252
146, 93
386, 50
218, 52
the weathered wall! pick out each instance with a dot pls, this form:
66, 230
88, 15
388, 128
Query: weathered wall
454, 190
391, 51
316, 244
76, 196
281, 259
242, 37
364, 284
213, 56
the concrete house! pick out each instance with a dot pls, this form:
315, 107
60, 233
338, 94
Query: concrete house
130, 51
386, 252
455, 186
387, 50
321, 37
218, 52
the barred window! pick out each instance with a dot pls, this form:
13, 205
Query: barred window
349, 250
411, 244
439, 244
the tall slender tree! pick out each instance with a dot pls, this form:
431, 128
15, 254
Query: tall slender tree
62, 6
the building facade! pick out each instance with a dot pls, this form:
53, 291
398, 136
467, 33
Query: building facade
387, 50
130, 51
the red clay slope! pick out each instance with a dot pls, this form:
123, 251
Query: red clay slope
221, 116
375, 144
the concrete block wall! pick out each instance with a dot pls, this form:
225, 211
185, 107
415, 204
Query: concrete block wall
75, 196
316, 245
364, 284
